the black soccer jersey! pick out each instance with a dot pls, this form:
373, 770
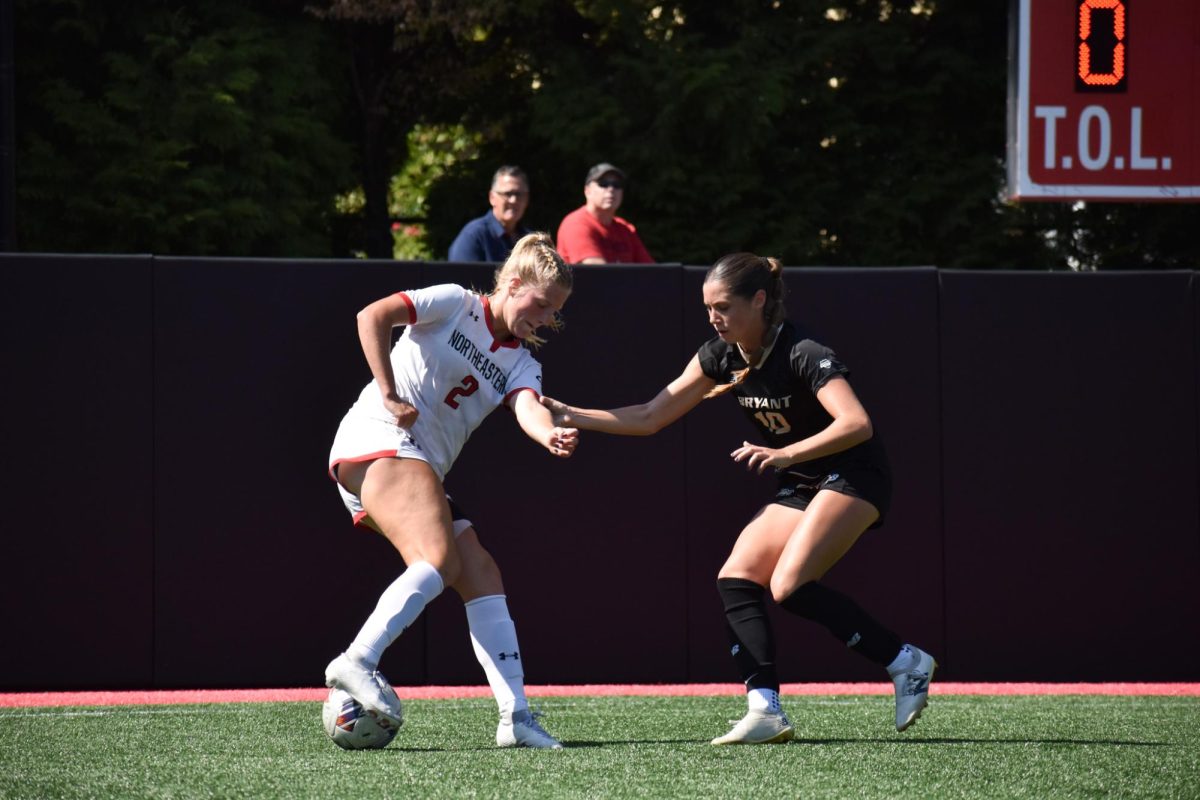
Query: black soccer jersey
780, 395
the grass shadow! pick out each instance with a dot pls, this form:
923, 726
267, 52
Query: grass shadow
955, 740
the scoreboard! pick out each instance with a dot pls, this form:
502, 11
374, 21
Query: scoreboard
1104, 100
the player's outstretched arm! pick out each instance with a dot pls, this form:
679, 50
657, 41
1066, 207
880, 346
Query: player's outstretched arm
679, 397
539, 425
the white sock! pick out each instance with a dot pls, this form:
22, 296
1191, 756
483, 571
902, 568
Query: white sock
494, 637
905, 660
763, 700
399, 605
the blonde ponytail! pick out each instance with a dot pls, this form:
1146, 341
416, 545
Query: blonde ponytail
535, 262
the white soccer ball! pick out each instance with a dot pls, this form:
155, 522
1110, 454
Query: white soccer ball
353, 727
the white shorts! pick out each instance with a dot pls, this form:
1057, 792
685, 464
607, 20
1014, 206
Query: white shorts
361, 438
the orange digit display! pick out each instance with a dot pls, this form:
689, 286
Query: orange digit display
1100, 45
1104, 100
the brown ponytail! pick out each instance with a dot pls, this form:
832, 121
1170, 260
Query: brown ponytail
743, 274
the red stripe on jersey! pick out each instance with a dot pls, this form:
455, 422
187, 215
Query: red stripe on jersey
517, 391
488, 318
412, 310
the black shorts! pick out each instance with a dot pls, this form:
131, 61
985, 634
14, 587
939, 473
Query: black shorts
866, 481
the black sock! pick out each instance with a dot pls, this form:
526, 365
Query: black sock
845, 619
749, 631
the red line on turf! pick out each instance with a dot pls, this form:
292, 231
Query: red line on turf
186, 696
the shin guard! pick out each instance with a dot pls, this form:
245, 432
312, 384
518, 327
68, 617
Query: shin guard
845, 619
750, 634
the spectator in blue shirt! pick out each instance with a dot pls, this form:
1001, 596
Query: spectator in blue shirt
492, 236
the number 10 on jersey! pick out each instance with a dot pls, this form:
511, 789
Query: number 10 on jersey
773, 421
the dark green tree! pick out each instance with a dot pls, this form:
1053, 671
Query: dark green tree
858, 132
851, 133
410, 62
199, 129
847, 134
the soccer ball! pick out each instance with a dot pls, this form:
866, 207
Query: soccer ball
353, 727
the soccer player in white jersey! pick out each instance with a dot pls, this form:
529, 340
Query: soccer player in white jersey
833, 483
461, 355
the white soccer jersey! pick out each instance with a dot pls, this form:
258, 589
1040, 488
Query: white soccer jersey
450, 367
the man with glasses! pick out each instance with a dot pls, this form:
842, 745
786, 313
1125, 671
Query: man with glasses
593, 233
492, 236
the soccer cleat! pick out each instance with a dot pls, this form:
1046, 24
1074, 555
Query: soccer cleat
759, 727
370, 689
522, 729
912, 688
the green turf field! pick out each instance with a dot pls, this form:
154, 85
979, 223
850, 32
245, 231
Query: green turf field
616, 747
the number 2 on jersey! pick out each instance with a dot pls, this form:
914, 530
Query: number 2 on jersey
469, 385
773, 421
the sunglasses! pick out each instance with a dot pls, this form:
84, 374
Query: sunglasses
609, 183
513, 195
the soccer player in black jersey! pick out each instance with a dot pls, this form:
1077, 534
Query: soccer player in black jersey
833, 484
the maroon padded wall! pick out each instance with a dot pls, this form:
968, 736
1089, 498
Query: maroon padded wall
254, 363
76, 601
1070, 473
167, 512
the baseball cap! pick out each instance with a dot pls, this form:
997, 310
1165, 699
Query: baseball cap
596, 172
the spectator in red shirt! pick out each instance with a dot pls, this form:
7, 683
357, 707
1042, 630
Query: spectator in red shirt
593, 233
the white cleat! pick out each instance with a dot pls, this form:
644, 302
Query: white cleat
912, 688
759, 727
369, 688
522, 729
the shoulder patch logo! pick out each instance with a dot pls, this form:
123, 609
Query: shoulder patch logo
825, 363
